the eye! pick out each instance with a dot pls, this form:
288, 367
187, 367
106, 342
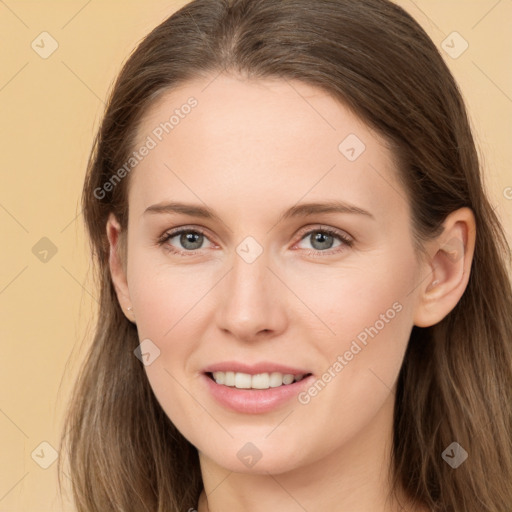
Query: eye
323, 240
188, 240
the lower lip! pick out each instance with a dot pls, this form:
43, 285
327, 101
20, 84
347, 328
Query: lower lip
255, 401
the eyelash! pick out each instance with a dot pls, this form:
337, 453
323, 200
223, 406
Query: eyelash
346, 242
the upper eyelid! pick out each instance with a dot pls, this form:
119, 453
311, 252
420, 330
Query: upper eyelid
171, 233
322, 227
343, 235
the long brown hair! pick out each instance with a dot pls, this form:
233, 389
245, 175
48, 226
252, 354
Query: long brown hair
456, 381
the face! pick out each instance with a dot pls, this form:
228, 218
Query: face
245, 286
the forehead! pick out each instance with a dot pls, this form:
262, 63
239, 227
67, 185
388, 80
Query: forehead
244, 140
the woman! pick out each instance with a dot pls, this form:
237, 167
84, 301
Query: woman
304, 296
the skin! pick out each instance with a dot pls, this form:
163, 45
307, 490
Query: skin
250, 150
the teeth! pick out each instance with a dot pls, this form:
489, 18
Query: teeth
229, 378
242, 380
258, 381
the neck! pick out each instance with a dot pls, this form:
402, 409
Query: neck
354, 478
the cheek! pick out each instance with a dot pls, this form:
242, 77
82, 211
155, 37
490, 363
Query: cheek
166, 297
366, 318
170, 309
365, 300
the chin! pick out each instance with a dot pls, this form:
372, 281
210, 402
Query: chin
258, 457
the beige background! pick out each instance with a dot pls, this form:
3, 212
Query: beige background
49, 111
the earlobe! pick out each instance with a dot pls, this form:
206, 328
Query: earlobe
449, 265
117, 268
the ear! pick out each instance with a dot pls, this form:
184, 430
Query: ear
449, 264
117, 264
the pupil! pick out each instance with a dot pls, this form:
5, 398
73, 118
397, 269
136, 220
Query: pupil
191, 238
321, 238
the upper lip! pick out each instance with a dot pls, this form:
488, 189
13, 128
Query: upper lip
254, 369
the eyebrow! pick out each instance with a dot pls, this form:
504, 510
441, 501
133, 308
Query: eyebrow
298, 210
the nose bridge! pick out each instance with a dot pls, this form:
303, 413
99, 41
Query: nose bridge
250, 301
249, 275
248, 280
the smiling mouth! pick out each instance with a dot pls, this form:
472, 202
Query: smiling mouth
241, 380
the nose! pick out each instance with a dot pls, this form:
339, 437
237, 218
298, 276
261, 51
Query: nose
252, 301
